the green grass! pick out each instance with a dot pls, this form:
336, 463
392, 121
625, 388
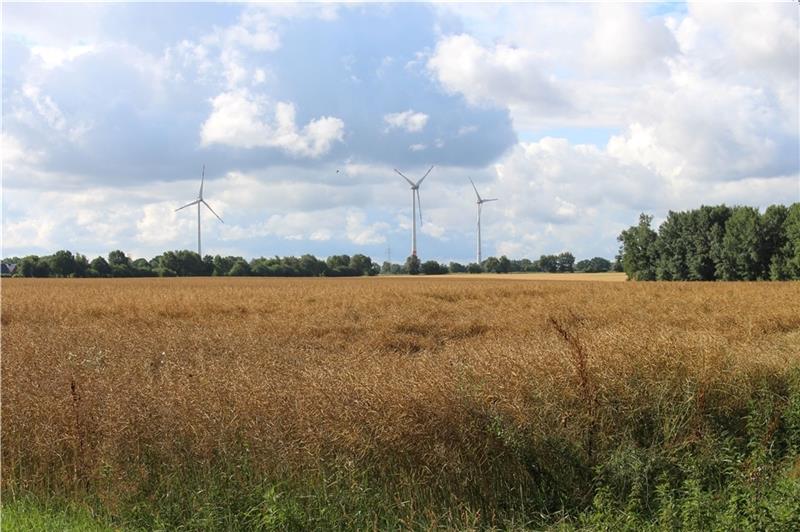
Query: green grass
31, 514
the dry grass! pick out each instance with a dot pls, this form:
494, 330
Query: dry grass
438, 378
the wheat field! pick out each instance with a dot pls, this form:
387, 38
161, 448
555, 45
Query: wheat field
455, 402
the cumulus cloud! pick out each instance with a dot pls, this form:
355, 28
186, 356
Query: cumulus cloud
45, 106
159, 224
503, 75
624, 39
55, 56
409, 120
16, 155
51, 114
240, 119
361, 233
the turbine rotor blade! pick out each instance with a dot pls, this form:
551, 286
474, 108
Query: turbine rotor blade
188, 205
426, 175
202, 180
475, 189
404, 177
490, 199
210, 209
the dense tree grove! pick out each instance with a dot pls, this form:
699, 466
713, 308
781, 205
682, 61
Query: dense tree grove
186, 263
715, 243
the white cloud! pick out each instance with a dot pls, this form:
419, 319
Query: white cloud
16, 155
160, 224
45, 106
409, 120
29, 233
712, 95
466, 130
239, 119
255, 30
54, 56
433, 229
759, 36
417, 147
361, 233
624, 39
502, 75
47, 109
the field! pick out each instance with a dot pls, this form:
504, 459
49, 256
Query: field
233, 403
609, 277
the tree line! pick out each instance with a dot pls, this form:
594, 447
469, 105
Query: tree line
715, 243
187, 263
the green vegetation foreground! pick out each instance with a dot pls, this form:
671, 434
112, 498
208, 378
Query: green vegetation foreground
241, 403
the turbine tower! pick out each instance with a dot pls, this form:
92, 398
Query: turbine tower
197, 202
480, 203
415, 203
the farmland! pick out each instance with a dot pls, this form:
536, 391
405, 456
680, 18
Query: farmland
227, 403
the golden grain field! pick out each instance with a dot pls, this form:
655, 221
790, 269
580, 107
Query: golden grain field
101, 377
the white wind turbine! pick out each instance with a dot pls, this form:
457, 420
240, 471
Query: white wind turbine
197, 202
414, 203
480, 203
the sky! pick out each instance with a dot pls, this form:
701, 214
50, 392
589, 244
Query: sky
578, 117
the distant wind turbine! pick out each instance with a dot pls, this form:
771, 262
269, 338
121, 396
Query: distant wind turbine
197, 202
480, 203
415, 202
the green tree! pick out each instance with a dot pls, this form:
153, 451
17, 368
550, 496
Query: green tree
674, 246
503, 265
41, 268
81, 265
474, 267
190, 264
62, 263
491, 264
565, 262
431, 267
785, 263
338, 261
773, 239
548, 263
707, 230
739, 256
594, 265
638, 250
456, 267
120, 264
412, 266
100, 267
312, 266
27, 265
222, 265
361, 264
240, 268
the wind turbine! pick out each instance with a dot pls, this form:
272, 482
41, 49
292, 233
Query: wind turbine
197, 202
414, 203
480, 203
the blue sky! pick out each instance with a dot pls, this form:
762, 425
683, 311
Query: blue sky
577, 116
